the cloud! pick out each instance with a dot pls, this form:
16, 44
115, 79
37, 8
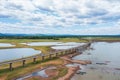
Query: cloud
48, 15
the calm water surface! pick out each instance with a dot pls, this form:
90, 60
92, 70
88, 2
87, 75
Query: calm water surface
6, 45
41, 73
52, 44
42, 43
62, 47
71, 44
15, 53
67, 45
105, 59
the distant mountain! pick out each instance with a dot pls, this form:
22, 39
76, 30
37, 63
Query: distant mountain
7, 34
20, 35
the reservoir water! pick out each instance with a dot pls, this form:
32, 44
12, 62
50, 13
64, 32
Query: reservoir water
41, 73
105, 65
53, 44
62, 47
42, 43
67, 45
71, 44
6, 45
16, 53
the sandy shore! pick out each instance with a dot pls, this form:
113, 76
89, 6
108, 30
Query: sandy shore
67, 59
50, 72
72, 70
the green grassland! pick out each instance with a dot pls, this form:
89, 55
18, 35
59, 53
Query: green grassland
40, 40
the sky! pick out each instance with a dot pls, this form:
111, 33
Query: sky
78, 17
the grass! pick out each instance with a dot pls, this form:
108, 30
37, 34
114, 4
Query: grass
6, 74
39, 40
62, 71
9, 75
43, 49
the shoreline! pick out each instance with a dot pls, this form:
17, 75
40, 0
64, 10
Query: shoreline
6, 73
73, 69
67, 59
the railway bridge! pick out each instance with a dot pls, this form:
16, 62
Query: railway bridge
50, 55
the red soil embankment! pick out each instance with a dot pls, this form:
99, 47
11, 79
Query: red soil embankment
71, 72
68, 58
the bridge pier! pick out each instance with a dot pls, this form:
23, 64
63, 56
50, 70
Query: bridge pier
24, 62
10, 66
43, 57
61, 53
50, 56
66, 52
56, 54
71, 51
34, 59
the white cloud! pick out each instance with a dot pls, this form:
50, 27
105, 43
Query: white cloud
47, 14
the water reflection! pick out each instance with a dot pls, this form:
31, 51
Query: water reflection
63, 47
15, 53
42, 43
6, 45
105, 60
41, 73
